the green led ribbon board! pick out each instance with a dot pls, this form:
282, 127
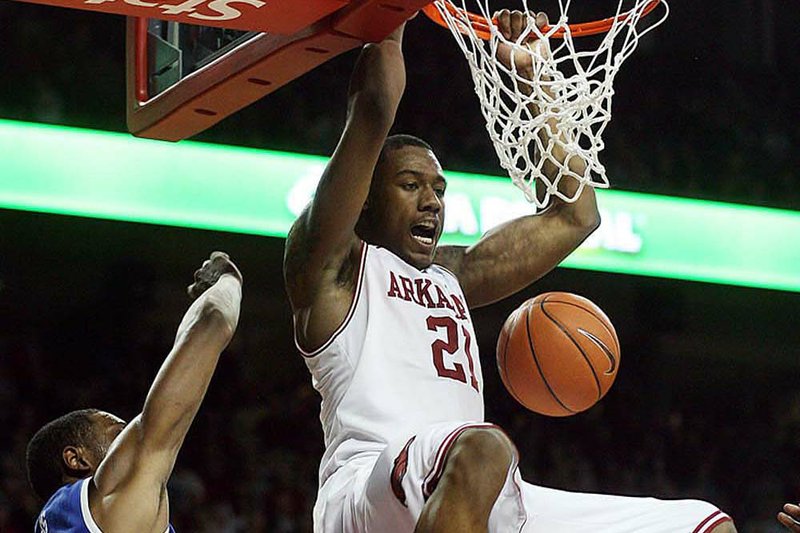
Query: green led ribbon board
87, 173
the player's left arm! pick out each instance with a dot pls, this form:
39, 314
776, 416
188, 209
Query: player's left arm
515, 254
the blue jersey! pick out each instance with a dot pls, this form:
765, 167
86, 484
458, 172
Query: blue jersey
67, 511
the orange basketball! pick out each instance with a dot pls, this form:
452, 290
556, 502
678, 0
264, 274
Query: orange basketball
558, 354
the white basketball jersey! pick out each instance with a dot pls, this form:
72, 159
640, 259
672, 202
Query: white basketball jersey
404, 358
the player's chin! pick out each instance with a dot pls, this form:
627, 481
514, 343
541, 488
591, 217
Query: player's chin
420, 260
420, 254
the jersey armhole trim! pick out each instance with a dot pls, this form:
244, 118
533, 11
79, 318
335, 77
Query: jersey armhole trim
86, 513
350, 312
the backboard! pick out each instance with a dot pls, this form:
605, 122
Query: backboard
184, 78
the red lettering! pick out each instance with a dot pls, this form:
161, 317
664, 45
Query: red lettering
394, 289
443, 301
439, 347
473, 380
460, 309
408, 289
423, 296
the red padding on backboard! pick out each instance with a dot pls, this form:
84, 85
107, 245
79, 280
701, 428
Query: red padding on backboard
222, 88
253, 69
372, 20
276, 16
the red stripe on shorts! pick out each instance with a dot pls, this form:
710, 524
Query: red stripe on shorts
713, 520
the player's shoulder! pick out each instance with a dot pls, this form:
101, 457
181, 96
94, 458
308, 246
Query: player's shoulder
64, 511
66, 496
67, 511
450, 258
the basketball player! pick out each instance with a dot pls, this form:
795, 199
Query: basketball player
98, 473
382, 316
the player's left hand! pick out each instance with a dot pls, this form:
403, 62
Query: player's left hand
790, 517
512, 24
207, 275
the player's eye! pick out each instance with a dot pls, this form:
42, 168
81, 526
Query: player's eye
439, 192
410, 186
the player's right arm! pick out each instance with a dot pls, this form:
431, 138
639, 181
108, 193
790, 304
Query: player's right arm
322, 248
129, 486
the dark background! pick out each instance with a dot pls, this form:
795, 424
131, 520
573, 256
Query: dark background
706, 404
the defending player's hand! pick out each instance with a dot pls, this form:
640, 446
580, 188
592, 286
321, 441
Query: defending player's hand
512, 25
207, 275
790, 517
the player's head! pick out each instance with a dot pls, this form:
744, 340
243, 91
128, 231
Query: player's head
69, 448
404, 212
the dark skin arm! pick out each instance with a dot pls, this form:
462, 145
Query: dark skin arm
128, 493
514, 255
322, 248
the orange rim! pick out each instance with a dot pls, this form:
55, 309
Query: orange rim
482, 26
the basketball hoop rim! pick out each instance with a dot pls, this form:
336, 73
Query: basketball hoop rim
482, 26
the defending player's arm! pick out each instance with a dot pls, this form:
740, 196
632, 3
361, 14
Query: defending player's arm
790, 517
322, 248
517, 253
129, 487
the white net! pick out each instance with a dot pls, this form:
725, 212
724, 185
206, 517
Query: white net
539, 126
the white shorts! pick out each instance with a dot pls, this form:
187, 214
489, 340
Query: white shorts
386, 495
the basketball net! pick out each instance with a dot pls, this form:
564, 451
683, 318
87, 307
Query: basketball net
571, 90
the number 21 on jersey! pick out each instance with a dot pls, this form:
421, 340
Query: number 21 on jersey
449, 342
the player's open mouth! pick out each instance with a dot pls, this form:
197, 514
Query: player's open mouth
424, 233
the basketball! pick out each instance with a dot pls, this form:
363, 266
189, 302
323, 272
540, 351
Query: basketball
558, 354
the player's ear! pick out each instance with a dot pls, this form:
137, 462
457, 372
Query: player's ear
75, 462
